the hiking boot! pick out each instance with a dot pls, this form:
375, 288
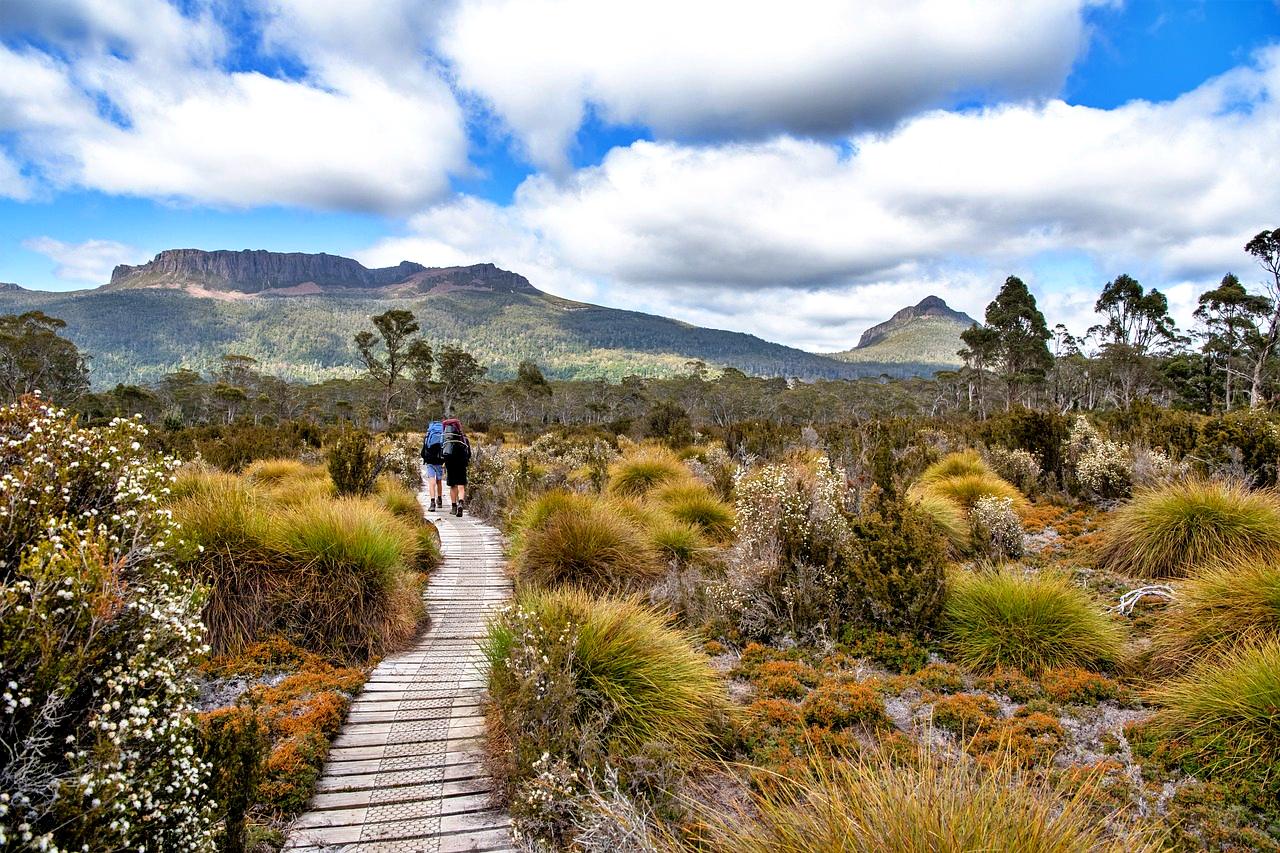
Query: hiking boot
453, 509
432, 508
462, 506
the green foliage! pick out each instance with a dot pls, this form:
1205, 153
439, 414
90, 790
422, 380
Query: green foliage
1217, 610
1246, 442
234, 743
1030, 622
844, 704
593, 682
354, 462
963, 464
35, 358
967, 489
930, 805
1039, 432
947, 517
894, 579
233, 447
1175, 530
669, 424
899, 653
98, 635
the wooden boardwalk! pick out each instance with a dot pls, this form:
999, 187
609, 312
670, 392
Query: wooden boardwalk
406, 775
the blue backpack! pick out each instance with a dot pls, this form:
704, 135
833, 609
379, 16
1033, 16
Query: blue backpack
431, 443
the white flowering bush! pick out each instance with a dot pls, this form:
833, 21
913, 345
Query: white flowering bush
997, 530
1103, 468
97, 637
1153, 467
1020, 467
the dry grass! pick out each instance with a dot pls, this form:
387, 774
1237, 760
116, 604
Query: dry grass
1216, 611
590, 546
966, 463
949, 518
1175, 530
644, 469
878, 804
694, 504
994, 619
964, 490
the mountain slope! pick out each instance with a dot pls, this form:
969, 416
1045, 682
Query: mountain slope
296, 314
927, 333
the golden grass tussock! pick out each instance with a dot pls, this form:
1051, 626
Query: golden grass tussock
1177, 529
275, 470
928, 805
1225, 710
692, 502
947, 516
644, 469
966, 463
590, 545
623, 677
398, 499
1216, 611
964, 490
1031, 622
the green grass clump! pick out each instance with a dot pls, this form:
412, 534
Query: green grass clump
948, 516
966, 463
966, 489
598, 679
1174, 530
535, 511
678, 541
694, 504
350, 535
398, 499
1227, 710
1216, 611
642, 470
1033, 622
589, 545
876, 803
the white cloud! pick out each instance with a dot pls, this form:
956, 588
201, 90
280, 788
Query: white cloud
1170, 190
138, 100
90, 262
750, 67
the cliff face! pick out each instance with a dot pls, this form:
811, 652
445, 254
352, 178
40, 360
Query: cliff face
257, 271
930, 306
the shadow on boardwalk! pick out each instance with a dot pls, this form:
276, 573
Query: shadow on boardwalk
407, 772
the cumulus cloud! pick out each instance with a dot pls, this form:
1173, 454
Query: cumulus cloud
137, 98
732, 68
90, 262
734, 231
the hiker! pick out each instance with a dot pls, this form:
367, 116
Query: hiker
456, 452
434, 463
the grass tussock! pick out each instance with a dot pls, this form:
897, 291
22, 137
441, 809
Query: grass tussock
875, 803
966, 463
1174, 530
947, 517
645, 469
692, 503
398, 499
277, 470
1226, 711
1218, 610
994, 619
966, 489
598, 678
586, 544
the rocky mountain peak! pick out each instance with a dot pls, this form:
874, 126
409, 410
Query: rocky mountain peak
930, 306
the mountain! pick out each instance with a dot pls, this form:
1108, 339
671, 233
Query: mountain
296, 314
927, 333
10, 287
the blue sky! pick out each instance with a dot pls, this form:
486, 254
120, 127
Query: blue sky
710, 163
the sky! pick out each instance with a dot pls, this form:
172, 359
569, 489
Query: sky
794, 170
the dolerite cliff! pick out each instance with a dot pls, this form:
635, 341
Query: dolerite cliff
258, 272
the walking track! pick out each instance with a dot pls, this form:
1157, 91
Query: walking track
406, 775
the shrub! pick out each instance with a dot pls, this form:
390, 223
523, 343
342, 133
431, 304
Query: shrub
1019, 467
895, 577
1172, 531
1071, 684
354, 463
879, 803
966, 714
898, 653
693, 504
1105, 471
98, 636
1009, 681
1029, 622
1044, 434
644, 469
234, 743
590, 546
941, 678
996, 528
1028, 738
595, 682
1224, 710
1245, 442
842, 705
1217, 610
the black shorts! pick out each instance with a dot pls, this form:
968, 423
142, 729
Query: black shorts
455, 472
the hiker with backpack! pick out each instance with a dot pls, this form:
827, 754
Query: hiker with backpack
432, 445
456, 452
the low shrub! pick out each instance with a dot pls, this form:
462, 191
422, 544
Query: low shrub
965, 714
354, 462
1071, 684
1010, 682
234, 743
1019, 467
927, 805
898, 653
589, 546
594, 683
1172, 531
997, 530
1030, 622
645, 469
1028, 738
1224, 711
845, 704
1217, 610
941, 678
1245, 442
694, 504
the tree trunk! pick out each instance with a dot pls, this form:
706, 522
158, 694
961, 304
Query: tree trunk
1255, 390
